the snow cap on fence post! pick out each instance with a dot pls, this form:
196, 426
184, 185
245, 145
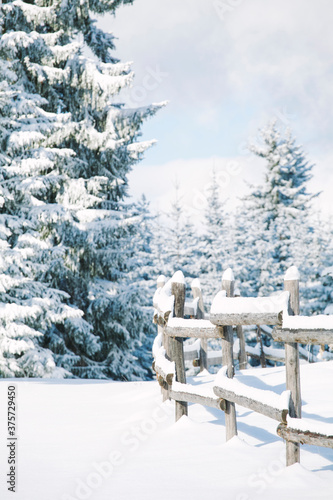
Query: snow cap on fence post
228, 282
291, 285
292, 274
178, 290
197, 294
196, 284
178, 277
228, 275
161, 280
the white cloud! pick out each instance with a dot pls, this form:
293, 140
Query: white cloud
194, 177
228, 77
234, 176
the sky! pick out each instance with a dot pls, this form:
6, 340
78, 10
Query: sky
226, 67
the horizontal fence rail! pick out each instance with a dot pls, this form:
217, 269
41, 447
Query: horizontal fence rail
280, 311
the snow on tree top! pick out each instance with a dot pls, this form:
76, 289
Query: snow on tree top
228, 275
178, 277
196, 283
161, 279
291, 274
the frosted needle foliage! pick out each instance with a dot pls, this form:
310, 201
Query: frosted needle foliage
66, 231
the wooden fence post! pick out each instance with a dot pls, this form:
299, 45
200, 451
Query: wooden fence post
178, 290
242, 357
293, 383
261, 346
160, 282
228, 358
196, 291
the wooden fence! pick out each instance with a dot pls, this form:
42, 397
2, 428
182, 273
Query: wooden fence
227, 312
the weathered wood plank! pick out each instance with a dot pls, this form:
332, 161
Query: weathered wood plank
304, 437
218, 403
227, 341
214, 359
242, 357
178, 290
189, 310
190, 355
197, 294
234, 319
262, 353
318, 337
165, 393
271, 357
168, 377
251, 404
161, 317
196, 332
217, 359
293, 379
203, 359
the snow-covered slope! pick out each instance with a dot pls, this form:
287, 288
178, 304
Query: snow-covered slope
116, 441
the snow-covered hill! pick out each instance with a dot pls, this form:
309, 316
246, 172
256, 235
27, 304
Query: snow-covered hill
116, 441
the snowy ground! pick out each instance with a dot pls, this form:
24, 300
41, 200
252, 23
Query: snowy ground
117, 441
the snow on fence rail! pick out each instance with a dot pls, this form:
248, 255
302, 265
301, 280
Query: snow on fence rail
305, 431
281, 311
196, 394
163, 366
248, 310
199, 328
266, 402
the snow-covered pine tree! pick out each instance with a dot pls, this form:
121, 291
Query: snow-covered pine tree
30, 309
214, 246
316, 253
79, 196
173, 256
281, 205
244, 249
158, 245
177, 241
142, 277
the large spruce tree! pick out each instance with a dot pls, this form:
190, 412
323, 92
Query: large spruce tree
67, 145
280, 231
